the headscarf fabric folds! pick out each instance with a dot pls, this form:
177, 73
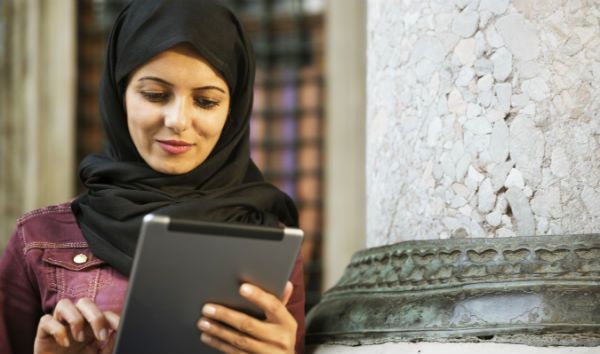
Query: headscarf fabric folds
122, 188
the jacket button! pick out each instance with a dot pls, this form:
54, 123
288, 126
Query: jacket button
80, 258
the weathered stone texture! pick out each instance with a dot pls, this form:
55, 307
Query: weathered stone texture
482, 118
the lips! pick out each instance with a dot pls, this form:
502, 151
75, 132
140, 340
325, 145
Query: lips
175, 147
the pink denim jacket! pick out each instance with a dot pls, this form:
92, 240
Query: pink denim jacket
47, 259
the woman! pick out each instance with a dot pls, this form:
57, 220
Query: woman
176, 98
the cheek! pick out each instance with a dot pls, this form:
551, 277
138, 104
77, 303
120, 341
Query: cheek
212, 125
141, 116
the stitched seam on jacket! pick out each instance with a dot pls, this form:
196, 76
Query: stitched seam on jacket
93, 286
77, 268
60, 283
54, 245
22, 237
59, 209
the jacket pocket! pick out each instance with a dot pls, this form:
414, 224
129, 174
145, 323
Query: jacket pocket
75, 272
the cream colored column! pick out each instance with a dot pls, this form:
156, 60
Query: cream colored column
345, 135
37, 106
482, 119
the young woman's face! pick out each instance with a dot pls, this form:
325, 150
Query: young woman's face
176, 108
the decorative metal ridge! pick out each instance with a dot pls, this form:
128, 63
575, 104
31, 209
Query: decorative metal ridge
536, 290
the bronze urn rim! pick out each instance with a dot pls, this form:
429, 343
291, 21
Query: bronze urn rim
536, 290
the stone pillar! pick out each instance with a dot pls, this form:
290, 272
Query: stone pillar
482, 119
482, 129
37, 106
345, 135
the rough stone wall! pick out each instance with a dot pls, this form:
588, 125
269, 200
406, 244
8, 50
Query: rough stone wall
482, 118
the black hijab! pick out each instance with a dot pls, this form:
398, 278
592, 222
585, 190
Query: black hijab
121, 187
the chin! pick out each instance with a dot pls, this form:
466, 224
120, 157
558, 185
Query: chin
171, 169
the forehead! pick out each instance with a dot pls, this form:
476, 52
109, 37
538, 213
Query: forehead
181, 64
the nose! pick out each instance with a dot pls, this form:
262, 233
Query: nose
177, 116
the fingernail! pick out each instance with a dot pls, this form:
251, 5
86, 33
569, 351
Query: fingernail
103, 334
205, 338
66, 342
209, 310
204, 324
246, 289
80, 336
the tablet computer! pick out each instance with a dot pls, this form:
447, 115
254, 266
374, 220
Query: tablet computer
180, 265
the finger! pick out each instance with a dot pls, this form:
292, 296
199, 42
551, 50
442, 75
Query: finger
219, 345
237, 320
50, 327
65, 311
287, 293
94, 317
234, 338
108, 348
273, 308
113, 319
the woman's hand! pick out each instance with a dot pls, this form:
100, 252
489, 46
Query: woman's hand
76, 328
246, 334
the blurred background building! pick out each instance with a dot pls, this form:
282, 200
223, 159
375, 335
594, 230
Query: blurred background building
308, 115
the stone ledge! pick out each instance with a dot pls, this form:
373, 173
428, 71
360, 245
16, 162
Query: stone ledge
542, 290
449, 348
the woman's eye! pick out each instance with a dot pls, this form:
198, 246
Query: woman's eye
155, 96
206, 103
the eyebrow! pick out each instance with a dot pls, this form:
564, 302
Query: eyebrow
153, 78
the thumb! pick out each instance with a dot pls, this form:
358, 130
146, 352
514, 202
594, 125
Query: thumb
287, 293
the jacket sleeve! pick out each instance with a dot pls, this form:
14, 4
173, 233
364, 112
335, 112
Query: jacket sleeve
296, 303
20, 308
